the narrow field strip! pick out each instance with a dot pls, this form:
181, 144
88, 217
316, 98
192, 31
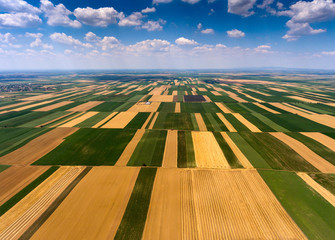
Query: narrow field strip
14, 105
161, 98
38, 147
74, 115
248, 124
22, 215
85, 106
53, 106
78, 120
145, 124
16, 178
208, 153
266, 108
129, 150
321, 138
318, 188
200, 122
31, 106
323, 119
310, 156
143, 107
170, 157
120, 121
226, 123
240, 156
103, 192
165, 210
302, 99
153, 120
54, 120
104, 120
177, 107
134, 217
223, 107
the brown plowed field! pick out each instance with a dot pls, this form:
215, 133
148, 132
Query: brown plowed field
94, 208
171, 150
216, 204
85, 106
16, 178
37, 147
128, 151
16, 220
208, 153
310, 156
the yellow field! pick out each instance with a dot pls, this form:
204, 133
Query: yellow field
143, 107
161, 98
248, 124
78, 120
53, 106
85, 106
121, 120
200, 122
171, 150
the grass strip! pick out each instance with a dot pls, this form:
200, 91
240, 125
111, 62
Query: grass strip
182, 158
190, 156
325, 180
25, 191
138, 120
133, 221
4, 167
229, 154
47, 213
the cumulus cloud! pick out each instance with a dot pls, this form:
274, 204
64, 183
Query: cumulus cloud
134, 19
241, 7
101, 17
17, 6
304, 13
154, 25
6, 38
207, 31
19, 20
235, 33
185, 41
298, 30
37, 42
108, 43
263, 49
91, 37
58, 15
68, 40
155, 45
149, 10
161, 1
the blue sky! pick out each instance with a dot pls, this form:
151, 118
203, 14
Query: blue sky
130, 34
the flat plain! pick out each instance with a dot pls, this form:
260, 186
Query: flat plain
174, 155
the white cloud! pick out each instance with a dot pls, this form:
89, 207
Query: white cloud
38, 43
161, 1
207, 31
101, 17
108, 43
191, 1
33, 35
154, 25
155, 45
329, 53
265, 4
241, 7
19, 20
17, 6
235, 33
263, 49
185, 41
58, 15
134, 19
298, 30
68, 40
91, 37
199, 26
149, 10
6, 38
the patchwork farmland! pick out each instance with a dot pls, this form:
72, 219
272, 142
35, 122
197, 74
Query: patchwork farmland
168, 156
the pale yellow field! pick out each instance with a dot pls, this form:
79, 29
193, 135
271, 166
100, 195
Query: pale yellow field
39, 97
121, 120
103, 194
226, 123
318, 188
14, 105
53, 106
153, 120
171, 150
240, 156
16, 220
54, 120
302, 99
223, 108
161, 98
248, 124
38, 147
128, 151
85, 106
321, 138
216, 204
200, 122
78, 120
142, 107
76, 115
266, 108
216, 93
208, 153
32, 105
104, 120
310, 156
177, 107
278, 89
251, 97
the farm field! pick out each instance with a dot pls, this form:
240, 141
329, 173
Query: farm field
170, 155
